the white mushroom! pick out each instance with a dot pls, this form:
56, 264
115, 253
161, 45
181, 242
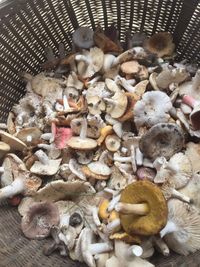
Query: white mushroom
153, 108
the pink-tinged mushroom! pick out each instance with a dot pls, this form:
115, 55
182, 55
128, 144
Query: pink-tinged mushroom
62, 136
37, 222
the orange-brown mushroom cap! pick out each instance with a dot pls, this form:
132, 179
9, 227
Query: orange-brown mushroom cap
151, 223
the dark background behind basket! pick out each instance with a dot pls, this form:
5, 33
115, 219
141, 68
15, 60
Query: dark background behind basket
27, 27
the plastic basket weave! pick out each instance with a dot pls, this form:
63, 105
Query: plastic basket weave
26, 28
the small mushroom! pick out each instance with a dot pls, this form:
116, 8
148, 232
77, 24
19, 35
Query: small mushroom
29, 135
181, 232
130, 67
142, 208
160, 44
105, 131
95, 105
98, 170
83, 37
153, 108
45, 166
13, 142
39, 219
112, 143
163, 139
82, 142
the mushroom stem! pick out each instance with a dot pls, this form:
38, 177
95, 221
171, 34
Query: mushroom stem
113, 225
121, 159
139, 209
65, 103
133, 160
169, 228
95, 216
16, 187
134, 250
45, 146
190, 101
83, 132
126, 85
138, 156
42, 157
98, 248
161, 245
113, 202
1, 170
196, 81
177, 194
83, 58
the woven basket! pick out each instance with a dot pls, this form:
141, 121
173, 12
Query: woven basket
26, 28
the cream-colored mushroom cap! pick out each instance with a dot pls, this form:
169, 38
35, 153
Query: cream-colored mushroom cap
119, 105
33, 132
50, 168
13, 142
185, 237
78, 143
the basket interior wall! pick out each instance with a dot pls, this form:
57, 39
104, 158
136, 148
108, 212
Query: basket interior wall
27, 27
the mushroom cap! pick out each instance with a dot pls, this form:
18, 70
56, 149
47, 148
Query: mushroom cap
153, 108
46, 169
99, 168
184, 169
130, 67
4, 148
13, 142
24, 205
112, 142
39, 219
83, 37
90, 174
116, 111
160, 44
163, 139
95, 105
128, 115
59, 190
193, 153
186, 238
34, 132
144, 192
78, 143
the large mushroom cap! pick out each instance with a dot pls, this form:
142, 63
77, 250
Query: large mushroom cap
50, 168
13, 142
163, 139
78, 143
33, 132
39, 219
155, 219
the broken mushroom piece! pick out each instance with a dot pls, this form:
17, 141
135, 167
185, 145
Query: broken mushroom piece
82, 142
45, 166
153, 108
160, 44
39, 219
142, 208
163, 139
14, 143
182, 231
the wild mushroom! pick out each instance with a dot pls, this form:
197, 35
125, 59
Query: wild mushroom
82, 142
146, 173
83, 37
112, 143
142, 208
98, 170
74, 82
181, 232
170, 76
116, 105
29, 135
89, 62
13, 142
130, 67
153, 108
193, 153
160, 44
45, 166
163, 139
39, 219
191, 87
117, 180
16, 179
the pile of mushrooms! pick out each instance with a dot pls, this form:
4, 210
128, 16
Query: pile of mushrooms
102, 154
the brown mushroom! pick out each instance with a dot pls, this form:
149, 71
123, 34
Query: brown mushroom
163, 139
13, 142
29, 135
39, 219
142, 208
